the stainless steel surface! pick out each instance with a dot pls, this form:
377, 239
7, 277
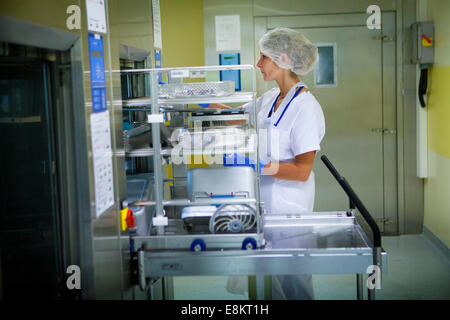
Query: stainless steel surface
319, 243
34, 34
359, 286
140, 187
199, 89
187, 202
233, 180
147, 151
141, 266
227, 117
132, 53
138, 137
253, 262
211, 140
238, 97
308, 231
82, 184
199, 68
137, 102
156, 141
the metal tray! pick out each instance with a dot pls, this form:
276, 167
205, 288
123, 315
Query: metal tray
229, 182
320, 230
195, 89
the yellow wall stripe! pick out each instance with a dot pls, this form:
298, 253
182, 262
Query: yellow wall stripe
439, 110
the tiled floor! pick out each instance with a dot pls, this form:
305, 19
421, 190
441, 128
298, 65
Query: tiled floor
416, 270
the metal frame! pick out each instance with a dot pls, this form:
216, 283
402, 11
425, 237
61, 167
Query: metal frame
344, 259
161, 240
335, 80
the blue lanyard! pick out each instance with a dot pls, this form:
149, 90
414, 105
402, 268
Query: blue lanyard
285, 108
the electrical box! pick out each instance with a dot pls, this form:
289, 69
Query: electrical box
423, 42
233, 75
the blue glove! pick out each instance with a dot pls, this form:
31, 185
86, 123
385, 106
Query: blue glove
239, 160
204, 105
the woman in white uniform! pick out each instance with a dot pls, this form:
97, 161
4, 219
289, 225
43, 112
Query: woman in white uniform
291, 126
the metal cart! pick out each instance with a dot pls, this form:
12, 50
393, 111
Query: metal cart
307, 243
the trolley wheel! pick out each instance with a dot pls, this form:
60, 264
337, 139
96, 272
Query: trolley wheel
198, 245
249, 244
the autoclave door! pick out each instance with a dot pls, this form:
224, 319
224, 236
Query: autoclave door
29, 227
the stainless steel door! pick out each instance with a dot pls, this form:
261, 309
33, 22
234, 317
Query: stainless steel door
359, 108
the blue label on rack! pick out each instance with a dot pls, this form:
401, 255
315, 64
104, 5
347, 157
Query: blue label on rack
158, 64
97, 67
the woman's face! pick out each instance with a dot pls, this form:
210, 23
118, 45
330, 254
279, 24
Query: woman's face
269, 69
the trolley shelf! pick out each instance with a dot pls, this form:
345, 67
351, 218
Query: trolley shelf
147, 152
238, 97
187, 202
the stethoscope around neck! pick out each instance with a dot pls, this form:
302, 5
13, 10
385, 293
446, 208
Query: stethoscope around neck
269, 122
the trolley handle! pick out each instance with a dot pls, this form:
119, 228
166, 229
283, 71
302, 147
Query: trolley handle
356, 201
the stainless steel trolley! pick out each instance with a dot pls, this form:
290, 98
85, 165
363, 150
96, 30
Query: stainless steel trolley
307, 243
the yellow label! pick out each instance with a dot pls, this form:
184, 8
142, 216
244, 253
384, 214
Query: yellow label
123, 219
170, 173
425, 43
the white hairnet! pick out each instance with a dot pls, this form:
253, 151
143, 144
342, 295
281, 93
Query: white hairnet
289, 49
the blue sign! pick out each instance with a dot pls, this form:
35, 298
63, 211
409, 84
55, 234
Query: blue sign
233, 75
97, 66
158, 64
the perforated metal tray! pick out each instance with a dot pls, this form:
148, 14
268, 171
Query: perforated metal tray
202, 89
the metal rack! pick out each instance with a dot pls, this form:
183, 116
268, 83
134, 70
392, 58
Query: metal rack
155, 106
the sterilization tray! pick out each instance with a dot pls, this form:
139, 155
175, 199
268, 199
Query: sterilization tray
226, 182
202, 89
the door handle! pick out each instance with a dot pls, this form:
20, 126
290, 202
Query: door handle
384, 131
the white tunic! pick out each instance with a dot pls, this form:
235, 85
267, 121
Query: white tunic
288, 132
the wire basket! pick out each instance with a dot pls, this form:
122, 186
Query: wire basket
217, 138
196, 89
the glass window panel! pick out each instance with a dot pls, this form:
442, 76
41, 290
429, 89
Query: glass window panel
326, 66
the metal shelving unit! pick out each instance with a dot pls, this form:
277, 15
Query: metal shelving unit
155, 107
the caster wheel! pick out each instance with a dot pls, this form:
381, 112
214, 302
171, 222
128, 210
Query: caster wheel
249, 244
198, 245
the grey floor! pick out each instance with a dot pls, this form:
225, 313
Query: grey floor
416, 270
